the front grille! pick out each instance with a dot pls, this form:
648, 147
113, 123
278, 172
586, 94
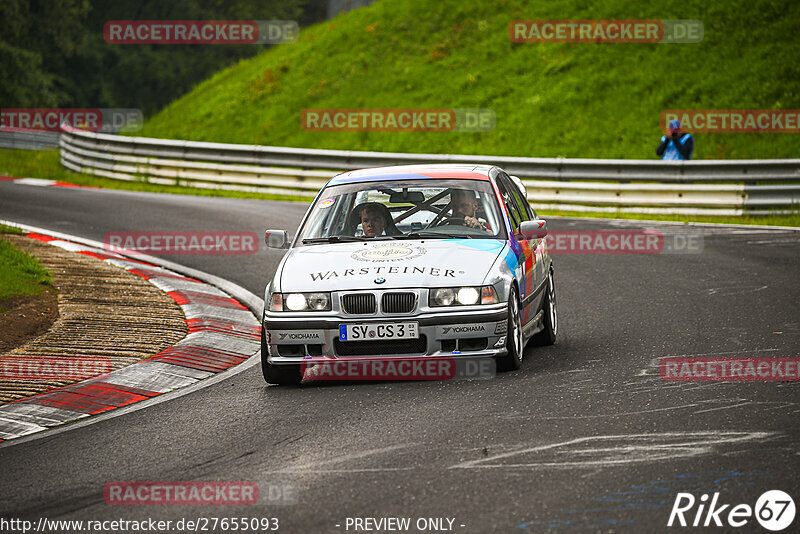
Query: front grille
359, 304
398, 302
381, 348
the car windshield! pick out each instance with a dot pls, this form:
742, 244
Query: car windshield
413, 209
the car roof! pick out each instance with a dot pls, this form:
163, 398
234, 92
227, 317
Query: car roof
415, 172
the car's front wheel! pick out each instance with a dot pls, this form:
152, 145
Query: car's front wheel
514, 347
550, 321
282, 375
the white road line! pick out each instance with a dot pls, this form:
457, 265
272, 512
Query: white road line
631, 448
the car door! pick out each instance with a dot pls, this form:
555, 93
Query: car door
538, 247
520, 246
541, 259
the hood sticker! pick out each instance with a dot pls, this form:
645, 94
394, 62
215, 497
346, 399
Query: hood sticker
385, 269
385, 253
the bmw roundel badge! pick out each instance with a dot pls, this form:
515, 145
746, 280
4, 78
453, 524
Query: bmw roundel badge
380, 280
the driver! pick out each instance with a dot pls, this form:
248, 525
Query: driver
465, 205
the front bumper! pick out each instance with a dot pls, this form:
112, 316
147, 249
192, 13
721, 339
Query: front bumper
462, 333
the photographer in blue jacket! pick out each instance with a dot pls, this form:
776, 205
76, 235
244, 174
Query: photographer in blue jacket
676, 145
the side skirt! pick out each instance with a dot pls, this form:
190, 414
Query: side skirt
535, 325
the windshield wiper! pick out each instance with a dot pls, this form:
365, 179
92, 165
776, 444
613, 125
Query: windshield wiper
345, 239
334, 239
425, 235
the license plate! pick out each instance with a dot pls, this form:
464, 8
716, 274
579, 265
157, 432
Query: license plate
373, 332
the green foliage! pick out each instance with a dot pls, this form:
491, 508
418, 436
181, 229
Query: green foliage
568, 99
54, 54
20, 273
34, 37
5, 229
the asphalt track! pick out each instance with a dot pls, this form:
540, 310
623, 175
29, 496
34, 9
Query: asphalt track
586, 436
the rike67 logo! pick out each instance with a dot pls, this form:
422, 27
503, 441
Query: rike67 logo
774, 510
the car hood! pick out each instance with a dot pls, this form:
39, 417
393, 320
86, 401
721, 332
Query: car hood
392, 264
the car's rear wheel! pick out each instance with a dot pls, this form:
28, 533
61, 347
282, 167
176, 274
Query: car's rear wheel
550, 322
282, 375
514, 347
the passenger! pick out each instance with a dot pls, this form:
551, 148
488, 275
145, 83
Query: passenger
375, 220
372, 221
465, 205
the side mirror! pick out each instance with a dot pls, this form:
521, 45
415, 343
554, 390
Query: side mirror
276, 239
535, 229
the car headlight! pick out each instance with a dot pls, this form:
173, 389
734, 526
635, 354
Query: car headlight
300, 302
467, 296
444, 296
462, 296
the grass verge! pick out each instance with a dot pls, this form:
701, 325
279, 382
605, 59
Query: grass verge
574, 100
20, 273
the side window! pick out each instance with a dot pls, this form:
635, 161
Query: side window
531, 213
522, 203
511, 207
528, 208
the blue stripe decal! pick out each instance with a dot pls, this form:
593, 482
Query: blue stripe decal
515, 250
378, 176
487, 245
511, 260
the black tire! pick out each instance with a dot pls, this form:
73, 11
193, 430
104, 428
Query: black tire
282, 375
548, 335
512, 360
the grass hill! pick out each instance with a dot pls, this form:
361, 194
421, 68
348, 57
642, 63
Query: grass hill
550, 99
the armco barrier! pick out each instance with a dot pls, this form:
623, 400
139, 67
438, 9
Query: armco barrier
29, 140
726, 187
